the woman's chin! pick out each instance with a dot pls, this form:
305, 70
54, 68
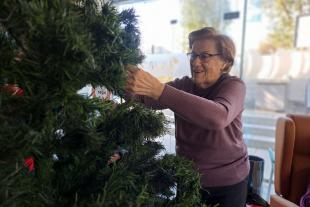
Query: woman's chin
200, 84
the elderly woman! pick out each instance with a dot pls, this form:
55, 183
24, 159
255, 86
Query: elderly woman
207, 108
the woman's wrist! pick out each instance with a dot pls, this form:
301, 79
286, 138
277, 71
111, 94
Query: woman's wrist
158, 91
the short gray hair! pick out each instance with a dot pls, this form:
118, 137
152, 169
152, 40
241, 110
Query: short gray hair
225, 45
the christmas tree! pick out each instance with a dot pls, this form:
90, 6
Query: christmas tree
56, 145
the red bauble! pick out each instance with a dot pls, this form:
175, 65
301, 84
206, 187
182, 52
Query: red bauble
12, 89
29, 163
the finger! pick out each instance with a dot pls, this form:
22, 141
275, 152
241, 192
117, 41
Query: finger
129, 66
132, 74
143, 81
132, 68
133, 88
138, 84
130, 88
142, 92
131, 81
129, 73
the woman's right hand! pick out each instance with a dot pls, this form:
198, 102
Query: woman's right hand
141, 82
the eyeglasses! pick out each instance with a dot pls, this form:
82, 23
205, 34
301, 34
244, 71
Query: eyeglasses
204, 57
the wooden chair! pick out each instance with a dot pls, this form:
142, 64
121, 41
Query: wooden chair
292, 160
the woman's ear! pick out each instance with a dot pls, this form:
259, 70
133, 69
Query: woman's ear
224, 66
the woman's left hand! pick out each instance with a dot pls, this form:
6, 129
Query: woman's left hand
141, 82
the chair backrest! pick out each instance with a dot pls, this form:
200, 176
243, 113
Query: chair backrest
292, 156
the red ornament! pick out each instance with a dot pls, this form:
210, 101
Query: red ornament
13, 89
29, 163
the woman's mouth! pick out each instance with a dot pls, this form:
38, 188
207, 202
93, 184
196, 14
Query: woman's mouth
198, 71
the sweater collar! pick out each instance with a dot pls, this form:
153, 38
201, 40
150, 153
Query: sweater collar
203, 91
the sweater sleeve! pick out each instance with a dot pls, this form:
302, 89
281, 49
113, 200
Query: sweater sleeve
210, 114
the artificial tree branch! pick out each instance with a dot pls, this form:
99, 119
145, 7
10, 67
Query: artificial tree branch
9, 16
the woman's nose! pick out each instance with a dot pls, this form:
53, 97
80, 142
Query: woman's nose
196, 61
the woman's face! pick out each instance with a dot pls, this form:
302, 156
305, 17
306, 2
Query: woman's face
206, 63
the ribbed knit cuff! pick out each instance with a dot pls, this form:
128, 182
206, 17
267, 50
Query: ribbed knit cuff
166, 96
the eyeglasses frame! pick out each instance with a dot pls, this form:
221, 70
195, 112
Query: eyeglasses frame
192, 56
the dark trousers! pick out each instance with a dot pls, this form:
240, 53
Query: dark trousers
232, 195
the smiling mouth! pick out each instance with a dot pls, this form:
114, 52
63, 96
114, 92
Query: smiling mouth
198, 72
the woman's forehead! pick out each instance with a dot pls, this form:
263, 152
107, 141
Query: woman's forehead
204, 45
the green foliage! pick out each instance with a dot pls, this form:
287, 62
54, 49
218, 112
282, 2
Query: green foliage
282, 16
51, 49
